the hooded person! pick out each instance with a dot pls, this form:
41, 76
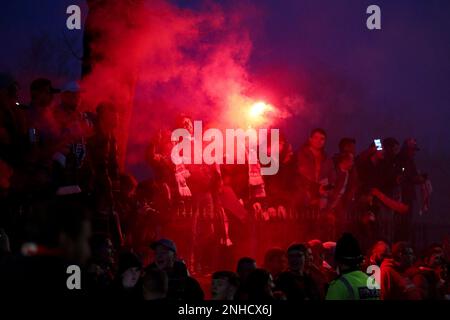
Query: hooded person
127, 281
352, 283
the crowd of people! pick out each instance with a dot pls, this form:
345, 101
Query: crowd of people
324, 227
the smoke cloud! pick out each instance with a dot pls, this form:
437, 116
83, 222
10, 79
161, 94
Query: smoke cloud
161, 60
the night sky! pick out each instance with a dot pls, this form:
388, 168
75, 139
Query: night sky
366, 84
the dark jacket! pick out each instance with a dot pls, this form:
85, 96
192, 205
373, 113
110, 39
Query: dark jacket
182, 287
308, 183
297, 287
396, 283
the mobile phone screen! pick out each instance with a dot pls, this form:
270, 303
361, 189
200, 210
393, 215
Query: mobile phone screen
378, 144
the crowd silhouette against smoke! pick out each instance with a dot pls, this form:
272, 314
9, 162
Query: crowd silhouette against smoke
87, 176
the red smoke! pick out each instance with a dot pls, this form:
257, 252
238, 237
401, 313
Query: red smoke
159, 60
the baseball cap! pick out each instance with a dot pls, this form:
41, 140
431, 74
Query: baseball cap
167, 243
317, 245
329, 245
42, 83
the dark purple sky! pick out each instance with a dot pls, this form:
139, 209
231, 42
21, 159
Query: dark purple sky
366, 84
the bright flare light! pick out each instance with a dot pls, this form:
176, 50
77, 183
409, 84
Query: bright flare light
257, 111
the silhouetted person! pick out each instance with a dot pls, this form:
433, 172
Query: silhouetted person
275, 261
352, 283
316, 176
410, 179
244, 267
127, 285
341, 196
101, 267
70, 171
103, 161
182, 287
379, 252
428, 276
155, 285
260, 286
295, 282
314, 266
396, 283
224, 285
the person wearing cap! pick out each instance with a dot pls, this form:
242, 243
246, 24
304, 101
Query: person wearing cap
182, 287
315, 266
165, 254
352, 283
329, 248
